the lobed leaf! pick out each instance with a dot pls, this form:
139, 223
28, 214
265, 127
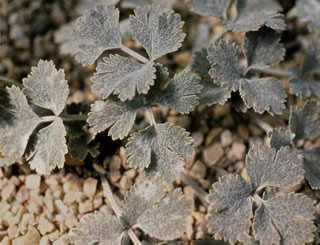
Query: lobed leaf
217, 8
118, 116
268, 167
263, 94
224, 59
280, 137
305, 123
230, 197
160, 149
263, 49
123, 77
308, 11
157, 28
46, 87
312, 167
141, 198
213, 94
168, 219
14, 137
181, 93
252, 15
97, 228
302, 82
285, 220
50, 148
200, 63
98, 30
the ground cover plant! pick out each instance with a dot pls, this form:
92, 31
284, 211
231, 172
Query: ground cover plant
129, 49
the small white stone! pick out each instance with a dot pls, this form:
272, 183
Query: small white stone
90, 187
33, 181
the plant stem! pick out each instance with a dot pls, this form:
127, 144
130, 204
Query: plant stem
10, 82
65, 118
273, 72
152, 120
48, 119
70, 118
108, 193
133, 237
134, 54
260, 123
116, 209
197, 189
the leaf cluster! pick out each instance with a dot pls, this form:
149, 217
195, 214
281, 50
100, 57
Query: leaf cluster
221, 62
238, 211
303, 125
129, 84
251, 14
47, 88
148, 206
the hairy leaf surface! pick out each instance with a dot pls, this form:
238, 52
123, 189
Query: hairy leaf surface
97, 228
161, 149
252, 15
181, 93
263, 48
224, 59
280, 137
217, 8
118, 116
308, 11
213, 94
141, 198
14, 137
230, 197
122, 76
305, 123
312, 167
264, 94
303, 83
267, 167
285, 220
167, 220
157, 28
50, 148
46, 87
99, 31
200, 63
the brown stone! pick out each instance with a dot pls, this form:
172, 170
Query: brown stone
212, 154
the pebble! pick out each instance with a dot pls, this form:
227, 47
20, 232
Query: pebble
32, 237
213, 135
114, 176
125, 182
212, 154
8, 191
237, 152
115, 163
61, 208
199, 169
226, 138
33, 181
45, 226
70, 220
243, 132
85, 207
22, 194
90, 187
197, 138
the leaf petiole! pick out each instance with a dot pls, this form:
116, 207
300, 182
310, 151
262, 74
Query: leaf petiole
134, 54
151, 116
